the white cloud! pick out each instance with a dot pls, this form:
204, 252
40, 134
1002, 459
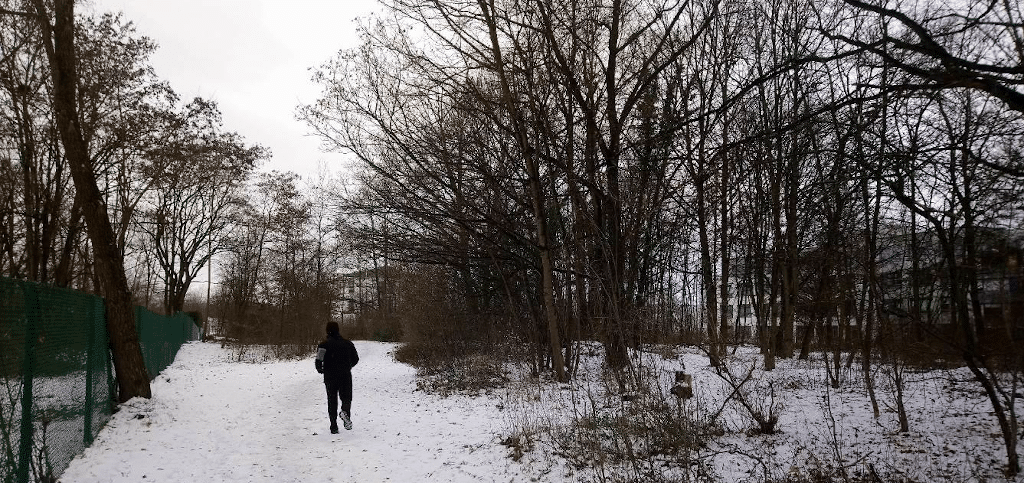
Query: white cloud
252, 57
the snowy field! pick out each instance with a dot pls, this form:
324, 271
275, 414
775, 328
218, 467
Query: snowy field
212, 419
823, 434
60, 401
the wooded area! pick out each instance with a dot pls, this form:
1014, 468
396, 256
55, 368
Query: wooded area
837, 176
841, 177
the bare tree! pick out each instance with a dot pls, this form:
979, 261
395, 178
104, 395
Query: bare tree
257, 253
939, 179
192, 196
978, 46
114, 89
59, 43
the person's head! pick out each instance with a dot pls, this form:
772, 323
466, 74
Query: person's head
333, 329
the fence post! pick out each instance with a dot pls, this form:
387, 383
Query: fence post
28, 291
90, 358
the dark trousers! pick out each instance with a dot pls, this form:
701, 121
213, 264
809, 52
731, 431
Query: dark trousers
339, 386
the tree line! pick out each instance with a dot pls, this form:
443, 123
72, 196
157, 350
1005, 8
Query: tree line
841, 176
109, 181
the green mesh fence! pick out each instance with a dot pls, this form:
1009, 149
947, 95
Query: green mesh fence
162, 336
56, 381
55, 378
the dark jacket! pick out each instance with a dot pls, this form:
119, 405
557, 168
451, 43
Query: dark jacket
335, 357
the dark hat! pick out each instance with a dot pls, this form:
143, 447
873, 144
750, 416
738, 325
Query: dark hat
332, 328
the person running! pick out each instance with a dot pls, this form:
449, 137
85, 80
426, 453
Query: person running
335, 358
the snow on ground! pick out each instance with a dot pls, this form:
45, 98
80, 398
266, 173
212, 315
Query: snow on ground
214, 419
953, 435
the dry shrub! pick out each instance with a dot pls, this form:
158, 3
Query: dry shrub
816, 472
518, 444
263, 353
754, 392
455, 350
651, 437
454, 368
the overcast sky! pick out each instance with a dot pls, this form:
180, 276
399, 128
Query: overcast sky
252, 57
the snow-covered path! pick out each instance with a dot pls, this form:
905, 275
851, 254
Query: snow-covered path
212, 419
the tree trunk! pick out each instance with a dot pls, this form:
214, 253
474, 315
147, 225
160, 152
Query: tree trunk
64, 274
874, 299
976, 362
708, 277
536, 195
132, 379
790, 290
616, 330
